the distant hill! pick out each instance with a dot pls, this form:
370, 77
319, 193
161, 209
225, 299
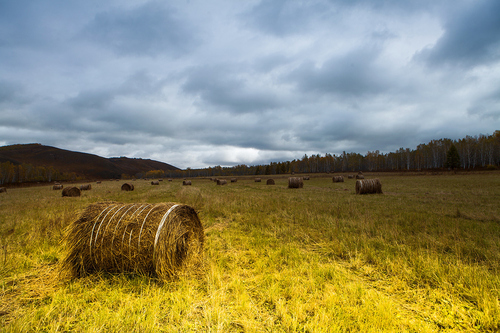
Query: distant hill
86, 165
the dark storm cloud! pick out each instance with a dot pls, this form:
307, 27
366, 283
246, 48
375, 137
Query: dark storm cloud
353, 74
471, 36
233, 88
149, 29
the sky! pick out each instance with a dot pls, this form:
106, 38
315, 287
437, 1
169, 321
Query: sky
199, 83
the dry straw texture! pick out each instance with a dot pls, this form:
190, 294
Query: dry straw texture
186, 182
57, 187
158, 240
270, 182
71, 192
368, 186
221, 182
338, 179
295, 182
155, 182
127, 187
85, 187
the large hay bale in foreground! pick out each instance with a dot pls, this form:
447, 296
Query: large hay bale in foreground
127, 187
3, 190
186, 182
57, 187
295, 182
368, 186
149, 239
338, 179
270, 182
221, 182
71, 192
86, 187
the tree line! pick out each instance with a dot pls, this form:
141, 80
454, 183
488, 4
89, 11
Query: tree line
474, 152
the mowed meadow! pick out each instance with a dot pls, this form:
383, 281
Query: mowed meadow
424, 256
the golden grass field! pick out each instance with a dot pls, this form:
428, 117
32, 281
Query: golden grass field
422, 257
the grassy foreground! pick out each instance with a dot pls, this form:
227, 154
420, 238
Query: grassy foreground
422, 257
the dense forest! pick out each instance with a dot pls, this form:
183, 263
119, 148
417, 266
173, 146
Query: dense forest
475, 152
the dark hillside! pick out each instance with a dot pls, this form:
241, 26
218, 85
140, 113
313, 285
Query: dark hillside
82, 164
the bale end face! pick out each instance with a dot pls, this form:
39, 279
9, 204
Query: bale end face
270, 182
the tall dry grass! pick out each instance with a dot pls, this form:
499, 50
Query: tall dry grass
423, 256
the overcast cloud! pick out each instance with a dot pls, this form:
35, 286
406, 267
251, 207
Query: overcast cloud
203, 83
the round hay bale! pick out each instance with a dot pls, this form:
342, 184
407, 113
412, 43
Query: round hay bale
170, 179
127, 187
186, 182
150, 239
368, 186
85, 187
360, 176
98, 182
258, 180
338, 179
270, 182
155, 182
295, 182
57, 187
221, 182
305, 177
3, 190
71, 192
350, 176
233, 180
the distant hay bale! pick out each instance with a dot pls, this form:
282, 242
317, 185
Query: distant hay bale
186, 182
360, 176
295, 182
170, 179
258, 180
57, 187
71, 192
127, 187
98, 182
155, 182
338, 179
159, 240
368, 186
3, 190
305, 177
233, 180
350, 176
270, 182
221, 182
86, 187
160, 180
